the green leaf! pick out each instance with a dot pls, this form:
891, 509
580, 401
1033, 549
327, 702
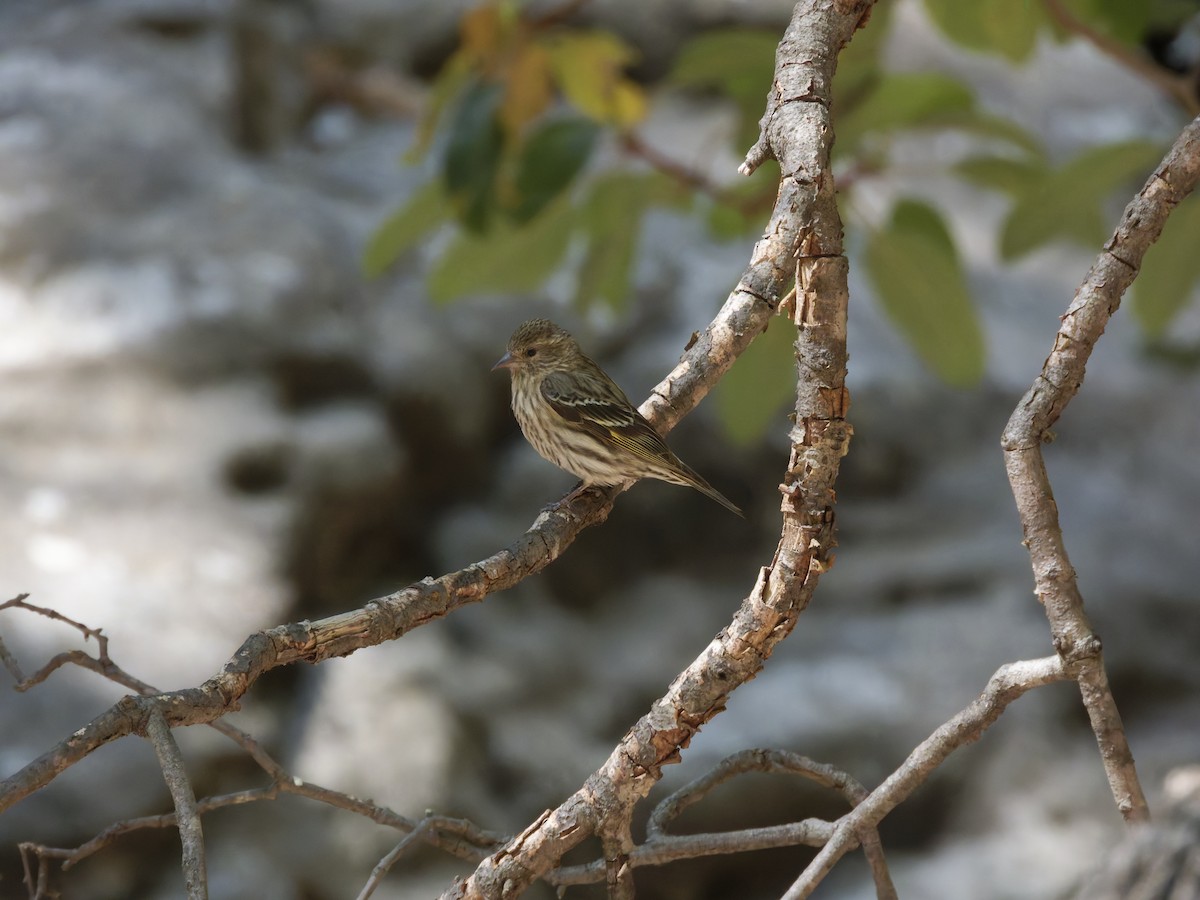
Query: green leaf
737, 62
1036, 220
551, 157
1123, 20
425, 210
916, 272
473, 155
604, 273
984, 124
1132, 22
1005, 27
742, 209
611, 220
754, 393
508, 259
1066, 203
449, 83
1171, 272
1002, 173
904, 100
727, 222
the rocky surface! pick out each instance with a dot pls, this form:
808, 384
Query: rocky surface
209, 424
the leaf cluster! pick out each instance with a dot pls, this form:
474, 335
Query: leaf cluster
518, 111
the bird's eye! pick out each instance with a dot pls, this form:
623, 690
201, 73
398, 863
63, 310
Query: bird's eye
532, 351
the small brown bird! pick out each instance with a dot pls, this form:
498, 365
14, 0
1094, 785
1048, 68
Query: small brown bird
575, 416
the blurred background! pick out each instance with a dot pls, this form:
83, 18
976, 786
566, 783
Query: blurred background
258, 256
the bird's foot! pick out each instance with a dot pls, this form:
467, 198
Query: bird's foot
565, 501
576, 492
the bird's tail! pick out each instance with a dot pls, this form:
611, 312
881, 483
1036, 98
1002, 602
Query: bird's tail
694, 480
710, 491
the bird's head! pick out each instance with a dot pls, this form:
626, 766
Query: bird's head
537, 345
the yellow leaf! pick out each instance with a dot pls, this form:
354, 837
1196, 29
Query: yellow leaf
629, 103
527, 91
481, 32
587, 66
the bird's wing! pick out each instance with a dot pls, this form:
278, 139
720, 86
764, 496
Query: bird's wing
590, 400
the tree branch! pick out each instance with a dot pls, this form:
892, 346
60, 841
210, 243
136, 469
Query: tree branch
170, 760
458, 837
1084, 321
802, 241
385, 864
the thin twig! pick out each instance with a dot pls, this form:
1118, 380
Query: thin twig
557, 15
1007, 684
6, 658
37, 879
690, 178
459, 837
385, 864
676, 847
1179, 87
191, 835
779, 762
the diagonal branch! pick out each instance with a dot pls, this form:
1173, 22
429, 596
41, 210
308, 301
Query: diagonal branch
385, 864
742, 318
805, 225
191, 835
1008, 683
1179, 87
1029, 427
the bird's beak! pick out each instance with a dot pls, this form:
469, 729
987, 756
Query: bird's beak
505, 362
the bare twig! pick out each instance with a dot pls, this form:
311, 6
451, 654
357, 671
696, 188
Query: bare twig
784, 762
1178, 87
1084, 321
778, 762
459, 837
1007, 684
661, 847
385, 864
558, 14
10, 663
378, 90
690, 178
36, 878
170, 760
677, 847
101, 663
6, 658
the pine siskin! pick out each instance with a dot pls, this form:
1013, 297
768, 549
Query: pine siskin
575, 416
